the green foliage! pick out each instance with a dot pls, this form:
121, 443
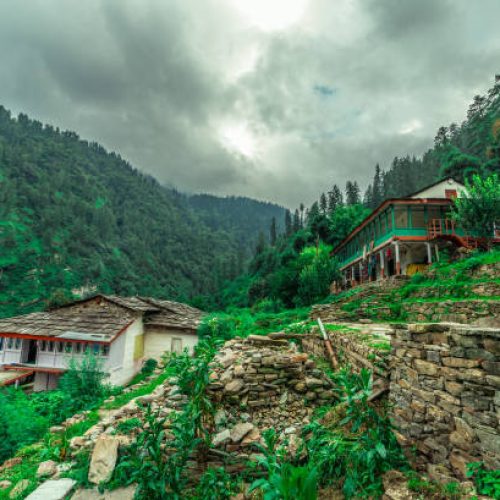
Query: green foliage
20, 425
487, 482
317, 274
284, 480
161, 475
75, 216
354, 444
82, 384
149, 366
244, 322
478, 212
215, 483
127, 426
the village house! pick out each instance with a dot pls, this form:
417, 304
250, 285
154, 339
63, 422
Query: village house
403, 235
37, 348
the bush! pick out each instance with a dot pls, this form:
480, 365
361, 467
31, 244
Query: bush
83, 382
20, 424
149, 366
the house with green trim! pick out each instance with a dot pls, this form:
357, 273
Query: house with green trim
403, 235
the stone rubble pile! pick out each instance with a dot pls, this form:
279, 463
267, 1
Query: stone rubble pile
260, 383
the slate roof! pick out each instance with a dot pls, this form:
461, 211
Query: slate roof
173, 315
78, 322
91, 324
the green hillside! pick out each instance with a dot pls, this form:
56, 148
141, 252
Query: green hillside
74, 215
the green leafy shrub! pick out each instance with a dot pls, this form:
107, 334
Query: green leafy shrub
127, 426
20, 425
284, 480
216, 483
149, 366
354, 445
487, 482
82, 383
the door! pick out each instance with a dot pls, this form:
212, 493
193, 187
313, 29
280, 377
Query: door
32, 352
29, 352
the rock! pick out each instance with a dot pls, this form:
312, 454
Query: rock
426, 368
10, 463
313, 382
220, 417
234, 387
77, 442
103, 459
5, 484
56, 429
54, 489
19, 488
221, 437
47, 468
396, 486
127, 493
252, 437
239, 431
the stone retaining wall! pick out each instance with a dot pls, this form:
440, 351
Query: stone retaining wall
485, 312
445, 387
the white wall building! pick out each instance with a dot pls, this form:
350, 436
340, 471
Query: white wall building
122, 332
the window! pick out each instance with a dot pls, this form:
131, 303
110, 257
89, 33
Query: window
68, 347
95, 349
60, 346
433, 213
17, 344
43, 345
401, 216
10, 343
50, 346
388, 216
105, 350
418, 217
176, 345
78, 348
1, 343
450, 193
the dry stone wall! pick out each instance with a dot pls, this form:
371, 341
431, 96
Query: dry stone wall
445, 388
485, 312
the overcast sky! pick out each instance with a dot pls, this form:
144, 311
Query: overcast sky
274, 99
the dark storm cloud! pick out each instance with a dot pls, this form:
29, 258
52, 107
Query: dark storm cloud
205, 100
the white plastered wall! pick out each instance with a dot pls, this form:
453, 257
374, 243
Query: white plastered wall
439, 190
121, 364
158, 341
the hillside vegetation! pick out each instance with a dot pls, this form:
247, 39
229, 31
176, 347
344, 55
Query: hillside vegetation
73, 216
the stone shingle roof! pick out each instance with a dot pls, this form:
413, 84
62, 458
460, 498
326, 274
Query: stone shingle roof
173, 314
94, 324
101, 320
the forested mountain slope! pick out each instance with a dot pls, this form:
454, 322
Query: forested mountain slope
73, 215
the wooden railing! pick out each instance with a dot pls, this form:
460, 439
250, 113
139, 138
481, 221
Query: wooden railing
440, 227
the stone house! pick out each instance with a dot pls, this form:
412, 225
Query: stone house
122, 331
403, 235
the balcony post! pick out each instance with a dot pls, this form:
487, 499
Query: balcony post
429, 252
436, 248
398, 258
382, 264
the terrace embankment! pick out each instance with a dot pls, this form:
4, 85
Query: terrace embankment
444, 388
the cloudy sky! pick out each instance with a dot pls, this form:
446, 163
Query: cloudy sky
274, 99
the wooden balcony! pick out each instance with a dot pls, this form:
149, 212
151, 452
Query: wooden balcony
441, 227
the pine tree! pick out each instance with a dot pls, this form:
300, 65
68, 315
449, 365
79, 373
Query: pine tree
368, 197
302, 215
377, 197
323, 204
288, 223
296, 220
352, 193
261, 244
273, 232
